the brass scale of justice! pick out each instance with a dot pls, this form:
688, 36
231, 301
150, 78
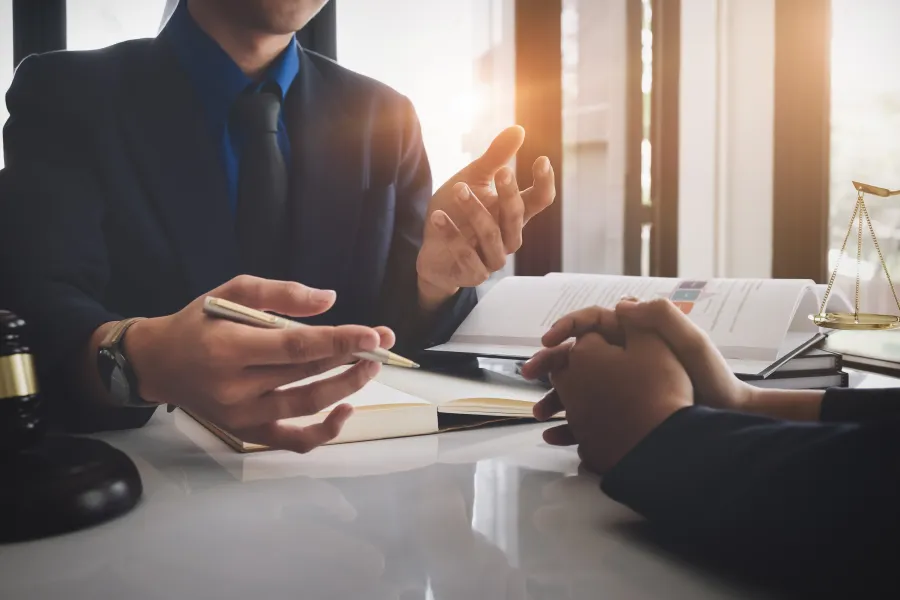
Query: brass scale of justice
857, 320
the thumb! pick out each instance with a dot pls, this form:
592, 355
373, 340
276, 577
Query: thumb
666, 320
635, 312
501, 151
282, 297
638, 332
689, 343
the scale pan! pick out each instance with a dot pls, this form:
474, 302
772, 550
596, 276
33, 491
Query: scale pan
855, 321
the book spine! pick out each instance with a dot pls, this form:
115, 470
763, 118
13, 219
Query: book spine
801, 374
843, 381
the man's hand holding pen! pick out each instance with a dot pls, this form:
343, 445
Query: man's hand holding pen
230, 374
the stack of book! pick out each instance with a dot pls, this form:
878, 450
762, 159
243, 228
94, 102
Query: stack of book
815, 369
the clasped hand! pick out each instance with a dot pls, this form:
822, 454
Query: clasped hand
475, 219
620, 373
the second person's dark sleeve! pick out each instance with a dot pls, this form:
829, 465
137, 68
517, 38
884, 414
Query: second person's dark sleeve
847, 405
809, 505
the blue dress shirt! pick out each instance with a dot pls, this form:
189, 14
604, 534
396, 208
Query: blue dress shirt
218, 81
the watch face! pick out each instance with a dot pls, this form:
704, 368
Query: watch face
116, 375
113, 376
106, 362
118, 385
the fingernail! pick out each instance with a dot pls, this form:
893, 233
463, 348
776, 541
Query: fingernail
439, 218
628, 299
323, 296
505, 176
462, 192
544, 167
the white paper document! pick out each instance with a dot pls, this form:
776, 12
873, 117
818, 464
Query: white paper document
753, 322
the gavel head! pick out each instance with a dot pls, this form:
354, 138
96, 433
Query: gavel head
20, 419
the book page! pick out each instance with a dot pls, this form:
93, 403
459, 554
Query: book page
374, 394
381, 412
484, 393
519, 310
333, 460
746, 318
404, 402
398, 386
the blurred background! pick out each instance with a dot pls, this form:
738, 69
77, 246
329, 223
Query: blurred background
694, 138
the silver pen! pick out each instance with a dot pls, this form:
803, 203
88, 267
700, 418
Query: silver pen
225, 309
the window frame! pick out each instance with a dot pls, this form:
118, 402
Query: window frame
539, 109
802, 139
664, 137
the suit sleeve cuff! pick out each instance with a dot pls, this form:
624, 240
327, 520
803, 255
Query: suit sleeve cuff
656, 479
646, 466
450, 316
59, 335
57, 338
439, 326
848, 405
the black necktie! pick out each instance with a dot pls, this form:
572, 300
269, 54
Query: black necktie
262, 185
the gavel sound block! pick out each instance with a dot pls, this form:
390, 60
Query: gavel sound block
50, 483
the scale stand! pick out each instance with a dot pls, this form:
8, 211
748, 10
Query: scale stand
857, 320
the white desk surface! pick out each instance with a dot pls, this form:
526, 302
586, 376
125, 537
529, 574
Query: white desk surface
472, 515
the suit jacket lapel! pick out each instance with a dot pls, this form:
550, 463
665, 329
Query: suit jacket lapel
327, 180
181, 168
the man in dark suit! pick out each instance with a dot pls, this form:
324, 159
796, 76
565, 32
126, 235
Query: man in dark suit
221, 158
800, 488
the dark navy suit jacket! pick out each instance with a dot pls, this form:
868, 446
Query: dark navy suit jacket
810, 507
113, 202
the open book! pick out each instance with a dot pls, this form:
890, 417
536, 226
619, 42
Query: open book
759, 325
367, 458
408, 402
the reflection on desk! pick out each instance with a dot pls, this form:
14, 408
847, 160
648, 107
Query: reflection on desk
472, 515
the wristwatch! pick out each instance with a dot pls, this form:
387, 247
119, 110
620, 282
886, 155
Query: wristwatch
115, 370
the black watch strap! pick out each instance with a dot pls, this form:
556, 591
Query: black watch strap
115, 370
